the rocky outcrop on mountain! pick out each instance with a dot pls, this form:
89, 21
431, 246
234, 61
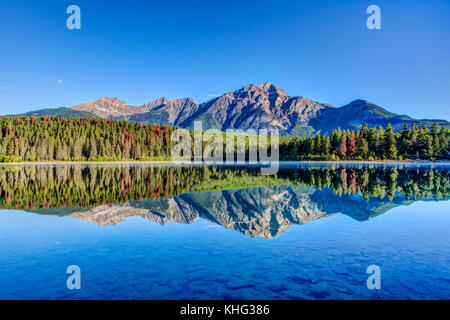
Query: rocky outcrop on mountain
108, 107
256, 212
264, 106
166, 112
109, 215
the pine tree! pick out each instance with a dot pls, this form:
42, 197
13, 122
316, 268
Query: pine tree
78, 150
61, 151
414, 139
379, 148
422, 142
351, 144
405, 140
443, 139
93, 152
362, 147
390, 143
372, 141
430, 151
343, 144
365, 131
326, 146
319, 146
335, 141
435, 136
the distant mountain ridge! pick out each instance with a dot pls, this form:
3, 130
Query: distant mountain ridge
59, 112
265, 106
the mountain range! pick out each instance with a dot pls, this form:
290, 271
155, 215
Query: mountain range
264, 106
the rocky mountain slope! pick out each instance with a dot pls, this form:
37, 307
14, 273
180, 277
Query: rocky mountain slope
264, 106
108, 108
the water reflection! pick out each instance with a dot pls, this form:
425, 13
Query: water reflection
237, 198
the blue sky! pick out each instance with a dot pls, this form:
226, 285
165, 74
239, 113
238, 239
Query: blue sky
141, 50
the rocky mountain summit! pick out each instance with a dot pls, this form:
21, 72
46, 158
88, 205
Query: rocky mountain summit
257, 107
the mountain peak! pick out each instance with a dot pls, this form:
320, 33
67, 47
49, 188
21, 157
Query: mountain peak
162, 99
271, 88
359, 102
105, 107
111, 100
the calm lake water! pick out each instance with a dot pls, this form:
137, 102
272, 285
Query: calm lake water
172, 232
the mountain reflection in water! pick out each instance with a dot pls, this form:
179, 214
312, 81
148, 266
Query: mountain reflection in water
237, 198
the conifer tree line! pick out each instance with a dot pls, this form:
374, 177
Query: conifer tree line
48, 139
370, 143
60, 139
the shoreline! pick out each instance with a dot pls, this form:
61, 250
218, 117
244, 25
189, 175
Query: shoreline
209, 163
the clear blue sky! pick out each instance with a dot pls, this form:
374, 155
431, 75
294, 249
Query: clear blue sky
141, 50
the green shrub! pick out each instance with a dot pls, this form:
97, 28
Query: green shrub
5, 159
155, 159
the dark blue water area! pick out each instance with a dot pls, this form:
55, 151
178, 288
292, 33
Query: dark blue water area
140, 259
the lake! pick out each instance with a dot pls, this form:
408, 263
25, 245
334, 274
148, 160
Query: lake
225, 232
